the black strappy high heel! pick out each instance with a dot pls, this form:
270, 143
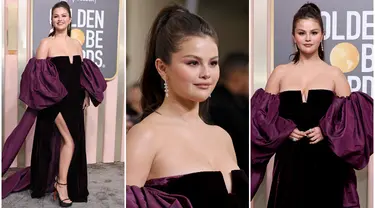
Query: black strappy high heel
57, 195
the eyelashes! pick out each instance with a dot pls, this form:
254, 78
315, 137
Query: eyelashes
302, 33
196, 63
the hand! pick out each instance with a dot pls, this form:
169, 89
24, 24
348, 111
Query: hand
86, 102
297, 135
315, 135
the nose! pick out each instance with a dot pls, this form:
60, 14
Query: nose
205, 72
308, 38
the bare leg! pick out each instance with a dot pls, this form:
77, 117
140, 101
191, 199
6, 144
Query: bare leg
66, 154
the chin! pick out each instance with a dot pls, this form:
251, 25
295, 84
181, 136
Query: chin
199, 98
61, 28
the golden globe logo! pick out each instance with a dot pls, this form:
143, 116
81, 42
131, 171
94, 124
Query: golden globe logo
78, 35
345, 56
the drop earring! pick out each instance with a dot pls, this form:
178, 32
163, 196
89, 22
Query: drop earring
166, 88
321, 44
295, 46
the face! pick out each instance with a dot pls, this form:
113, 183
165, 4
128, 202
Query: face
308, 35
194, 70
60, 18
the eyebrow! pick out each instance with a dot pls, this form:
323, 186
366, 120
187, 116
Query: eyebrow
311, 30
192, 56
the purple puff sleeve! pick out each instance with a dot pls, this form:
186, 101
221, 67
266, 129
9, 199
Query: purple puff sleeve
40, 85
93, 81
40, 88
268, 132
143, 197
348, 125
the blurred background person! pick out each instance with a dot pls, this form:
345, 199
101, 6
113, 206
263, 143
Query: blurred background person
133, 105
229, 104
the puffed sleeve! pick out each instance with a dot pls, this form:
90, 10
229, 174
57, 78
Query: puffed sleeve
40, 85
268, 132
92, 80
348, 126
143, 197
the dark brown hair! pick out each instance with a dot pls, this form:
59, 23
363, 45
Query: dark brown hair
66, 6
307, 11
171, 27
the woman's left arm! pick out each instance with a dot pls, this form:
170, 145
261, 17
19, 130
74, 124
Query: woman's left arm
342, 88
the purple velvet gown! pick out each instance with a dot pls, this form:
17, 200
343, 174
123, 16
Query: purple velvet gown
305, 175
196, 190
48, 87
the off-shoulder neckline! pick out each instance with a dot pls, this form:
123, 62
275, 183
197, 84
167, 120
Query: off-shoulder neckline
150, 181
71, 60
305, 98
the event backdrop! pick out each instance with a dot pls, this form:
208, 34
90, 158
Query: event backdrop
105, 134
348, 45
94, 24
348, 41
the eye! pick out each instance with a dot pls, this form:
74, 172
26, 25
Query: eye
193, 63
214, 63
301, 33
315, 33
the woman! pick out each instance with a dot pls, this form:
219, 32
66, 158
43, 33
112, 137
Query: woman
57, 86
318, 129
173, 156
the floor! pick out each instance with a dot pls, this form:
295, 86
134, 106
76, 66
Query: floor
106, 188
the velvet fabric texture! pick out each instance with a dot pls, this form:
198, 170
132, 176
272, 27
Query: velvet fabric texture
200, 189
302, 169
48, 87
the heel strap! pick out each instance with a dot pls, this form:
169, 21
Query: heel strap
62, 184
57, 181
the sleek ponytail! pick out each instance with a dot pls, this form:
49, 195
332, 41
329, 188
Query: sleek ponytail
171, 26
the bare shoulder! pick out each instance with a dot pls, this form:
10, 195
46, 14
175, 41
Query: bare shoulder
141, 149
342, 87
43, 48
222, 135
225, 140
335, 71
142, 135
45, 41
273, 82
218, 130
76, 42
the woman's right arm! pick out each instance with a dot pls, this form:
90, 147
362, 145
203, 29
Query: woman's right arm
140, 153
42, 50
273, 82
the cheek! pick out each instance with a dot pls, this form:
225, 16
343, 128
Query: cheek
299, 39
215, 74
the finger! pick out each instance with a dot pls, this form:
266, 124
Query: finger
316, 139
300, 133
312, 134
297, 136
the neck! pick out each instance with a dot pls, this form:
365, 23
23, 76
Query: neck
61, 34
180, 108
309, 58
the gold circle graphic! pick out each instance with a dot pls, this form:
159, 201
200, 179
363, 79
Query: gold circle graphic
345, 56
78, 35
